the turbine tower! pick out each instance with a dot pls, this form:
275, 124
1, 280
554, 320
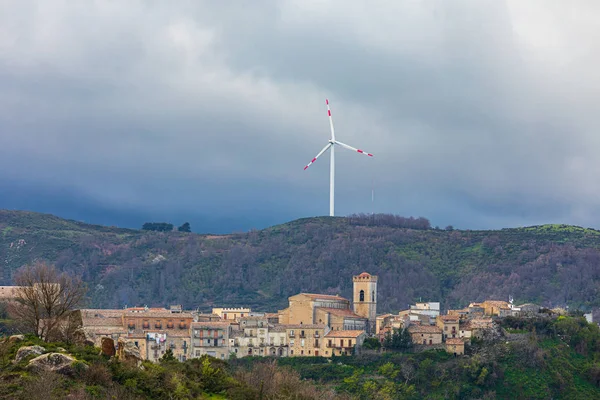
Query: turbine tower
331, 146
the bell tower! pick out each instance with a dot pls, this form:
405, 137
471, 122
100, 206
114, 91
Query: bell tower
365, 298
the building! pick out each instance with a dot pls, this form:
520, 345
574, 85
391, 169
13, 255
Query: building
343, 343
455, 346
425, 334
8, 292
449, 325
231, 313
306, 339
365, 298
211, 339
431, 309
321, 309
493, 307
152, 330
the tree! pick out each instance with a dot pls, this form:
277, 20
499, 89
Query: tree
46, 298
168, 356
157, 226
398, 340
185, 227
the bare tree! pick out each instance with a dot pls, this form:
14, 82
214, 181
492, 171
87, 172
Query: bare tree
45, 298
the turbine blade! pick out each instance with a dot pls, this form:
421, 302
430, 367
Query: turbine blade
354, 149
330, 120
318, 155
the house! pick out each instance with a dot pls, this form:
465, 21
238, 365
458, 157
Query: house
449, 324
306, 339
431, 309
493, 307
210, 338
425, 334
479, 325
455, 346
529, 309
231, 313
341, 343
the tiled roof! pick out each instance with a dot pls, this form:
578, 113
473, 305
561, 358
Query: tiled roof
454, 341
424, 329
344, 334
449, 317
341, 312
110, 321
322, 296
277, 328
101, 312
159, 314
496, 303
300, 326
211, 324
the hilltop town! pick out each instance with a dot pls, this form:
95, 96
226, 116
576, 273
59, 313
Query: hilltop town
311, 325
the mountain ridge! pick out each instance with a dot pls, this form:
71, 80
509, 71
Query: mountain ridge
549, 264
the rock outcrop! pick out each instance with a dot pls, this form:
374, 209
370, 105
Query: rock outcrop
55, 362
16, 338
27, 351
128, 352
108, 347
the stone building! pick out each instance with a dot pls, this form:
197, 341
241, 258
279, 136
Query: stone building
425, 334
365, 298
455, 346
305, 339
210, 338
333, 311
449, 325
231, 313
343, 343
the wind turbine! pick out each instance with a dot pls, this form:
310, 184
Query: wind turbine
331, 146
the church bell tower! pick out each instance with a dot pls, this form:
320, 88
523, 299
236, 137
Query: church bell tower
365, 298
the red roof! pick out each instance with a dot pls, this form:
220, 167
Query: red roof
364, 275
454, 341
341, 312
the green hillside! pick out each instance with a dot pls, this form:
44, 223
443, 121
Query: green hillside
549, 264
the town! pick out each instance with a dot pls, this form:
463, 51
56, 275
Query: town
311, 325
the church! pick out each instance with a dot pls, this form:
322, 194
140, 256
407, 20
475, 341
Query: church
335, 311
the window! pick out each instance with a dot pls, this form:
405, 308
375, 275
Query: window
292, 352
349, 343
291, 342
309, 352
225, 316
301, 352
302, 342
373, 296
362, 295
341, 342
329, 343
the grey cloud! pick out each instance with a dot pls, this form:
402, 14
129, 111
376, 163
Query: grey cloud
479, 113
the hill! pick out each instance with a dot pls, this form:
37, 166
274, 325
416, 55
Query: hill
549, 264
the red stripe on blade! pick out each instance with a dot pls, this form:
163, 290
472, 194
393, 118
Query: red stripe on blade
314, 159
326, 101
305, 167
360, 151
329, 112
370, 155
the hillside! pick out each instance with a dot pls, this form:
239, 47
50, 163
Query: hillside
550, 264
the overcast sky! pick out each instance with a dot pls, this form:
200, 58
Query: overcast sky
481, 113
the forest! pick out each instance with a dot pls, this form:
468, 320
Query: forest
551, 265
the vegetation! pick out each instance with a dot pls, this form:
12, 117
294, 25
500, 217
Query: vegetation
549, 265
399, 339
560, 360
157, 226
185, 227
563, 362
45, 299
97, 377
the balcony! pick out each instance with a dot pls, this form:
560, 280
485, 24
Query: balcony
316, 334
292, 335
302, 336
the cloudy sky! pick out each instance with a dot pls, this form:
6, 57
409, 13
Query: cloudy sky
480, 113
